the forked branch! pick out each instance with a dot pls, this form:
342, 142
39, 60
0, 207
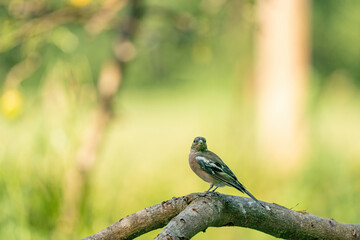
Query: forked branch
185, 216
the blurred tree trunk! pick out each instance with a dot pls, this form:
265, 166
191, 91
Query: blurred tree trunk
282, 60
77, 177
77, 182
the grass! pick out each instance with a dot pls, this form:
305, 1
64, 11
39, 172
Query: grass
143, 160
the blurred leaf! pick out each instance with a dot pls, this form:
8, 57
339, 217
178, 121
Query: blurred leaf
80, 3
11, 103
65, 39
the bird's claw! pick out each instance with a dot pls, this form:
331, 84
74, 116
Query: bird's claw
203, 194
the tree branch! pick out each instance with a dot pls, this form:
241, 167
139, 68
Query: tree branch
184, 217
144, 221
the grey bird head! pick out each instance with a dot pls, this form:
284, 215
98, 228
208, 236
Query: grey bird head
199, 144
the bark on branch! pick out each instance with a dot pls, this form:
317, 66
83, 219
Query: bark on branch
185, 216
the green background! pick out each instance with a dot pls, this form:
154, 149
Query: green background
189, 78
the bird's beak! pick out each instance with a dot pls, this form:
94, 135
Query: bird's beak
200, 141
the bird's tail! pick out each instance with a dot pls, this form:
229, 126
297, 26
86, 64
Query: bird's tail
242, 189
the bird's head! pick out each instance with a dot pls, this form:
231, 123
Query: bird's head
199, 144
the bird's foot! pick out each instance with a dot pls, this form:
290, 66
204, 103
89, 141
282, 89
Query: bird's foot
208, 194
203, 194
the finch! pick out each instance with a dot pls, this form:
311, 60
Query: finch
210, 168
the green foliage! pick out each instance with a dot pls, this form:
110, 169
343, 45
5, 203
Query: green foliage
335, 38
188, 78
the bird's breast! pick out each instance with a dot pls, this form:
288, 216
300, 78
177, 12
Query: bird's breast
197, 170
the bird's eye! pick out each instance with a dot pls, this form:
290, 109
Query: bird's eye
194, 140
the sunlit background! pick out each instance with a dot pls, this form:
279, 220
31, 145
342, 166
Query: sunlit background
100, 101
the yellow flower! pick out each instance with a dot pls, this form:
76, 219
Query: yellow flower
11, 103
80, 3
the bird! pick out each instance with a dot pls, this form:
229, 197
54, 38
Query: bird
210, 168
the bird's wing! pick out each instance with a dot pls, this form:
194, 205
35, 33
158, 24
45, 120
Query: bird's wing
213, 165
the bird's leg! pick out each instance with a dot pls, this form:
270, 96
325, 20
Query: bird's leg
211, 186
214, 189
204, 193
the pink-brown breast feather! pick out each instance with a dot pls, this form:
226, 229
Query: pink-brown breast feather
196, 168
